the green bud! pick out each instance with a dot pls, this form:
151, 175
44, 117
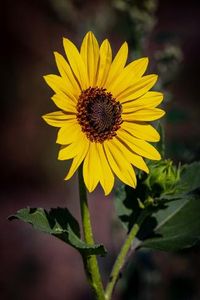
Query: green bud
163, 178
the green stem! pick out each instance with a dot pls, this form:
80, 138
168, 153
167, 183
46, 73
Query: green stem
90, 261
122, 256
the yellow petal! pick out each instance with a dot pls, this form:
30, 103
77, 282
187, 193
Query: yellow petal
131, 73
64, 103
90, 56
66, 73
120, 166
138, 88
106, 175
150, 99
146, 114
78, 159
117, 65
69, 133
133, 158
91, 168
59, 118
105, 58
138, 146
69, 151
142, 131
76, 62
59, 86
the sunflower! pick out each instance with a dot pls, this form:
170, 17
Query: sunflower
104, 109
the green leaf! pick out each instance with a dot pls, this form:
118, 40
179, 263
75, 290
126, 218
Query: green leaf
177, 223
177, 226
79, 244
120, 196
174, 219
190, 177
60, 223
127, 205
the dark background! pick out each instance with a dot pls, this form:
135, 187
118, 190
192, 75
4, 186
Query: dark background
34, 265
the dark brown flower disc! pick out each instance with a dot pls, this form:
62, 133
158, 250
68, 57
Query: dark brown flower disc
99, 114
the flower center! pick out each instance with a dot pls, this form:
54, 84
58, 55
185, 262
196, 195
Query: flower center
99, 114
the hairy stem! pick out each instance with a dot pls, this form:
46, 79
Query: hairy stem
122, 256
90, 261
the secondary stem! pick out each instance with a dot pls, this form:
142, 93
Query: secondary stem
90, 261
122, 256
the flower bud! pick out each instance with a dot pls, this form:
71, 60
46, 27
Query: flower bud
163, 178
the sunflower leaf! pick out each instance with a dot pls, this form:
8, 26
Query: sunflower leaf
190, 177
127, 206
174, 219
177, 226
60, 223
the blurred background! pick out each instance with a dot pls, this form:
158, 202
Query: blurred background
34, 265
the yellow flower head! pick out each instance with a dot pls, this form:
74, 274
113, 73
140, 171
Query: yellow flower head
104, 108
